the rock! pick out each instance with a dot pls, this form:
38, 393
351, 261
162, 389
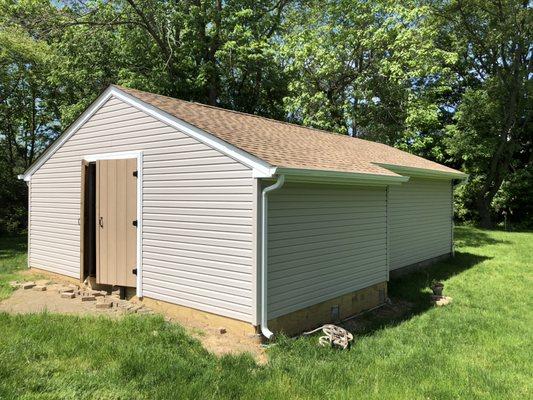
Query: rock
97, 293
441, 301
221, 330
88, 298
39, 288
135, 309
68, 295
65, 290
27, 285
144, 310
104, 304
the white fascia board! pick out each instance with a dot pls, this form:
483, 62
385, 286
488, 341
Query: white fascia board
340, 177
423, 172
88, 113
269, 173
261, 169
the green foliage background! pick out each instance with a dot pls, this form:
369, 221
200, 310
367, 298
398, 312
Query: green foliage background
449, 80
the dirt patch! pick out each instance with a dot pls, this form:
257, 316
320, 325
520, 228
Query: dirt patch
47, 296
395, 309
228, 343
36, 300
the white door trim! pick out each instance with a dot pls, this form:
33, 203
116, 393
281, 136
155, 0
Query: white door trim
138, 154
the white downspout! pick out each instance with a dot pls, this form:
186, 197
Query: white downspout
264, 253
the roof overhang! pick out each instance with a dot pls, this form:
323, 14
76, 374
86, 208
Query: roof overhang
423, 172
339, 177
259, 167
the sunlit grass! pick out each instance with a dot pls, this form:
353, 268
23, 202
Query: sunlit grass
480, 346
12, 262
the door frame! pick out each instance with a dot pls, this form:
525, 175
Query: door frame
138, 154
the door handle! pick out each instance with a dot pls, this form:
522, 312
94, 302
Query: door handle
101, 222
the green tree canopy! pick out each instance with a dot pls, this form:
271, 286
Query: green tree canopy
491, 132
446, 79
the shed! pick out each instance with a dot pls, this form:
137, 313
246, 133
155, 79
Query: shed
232, 217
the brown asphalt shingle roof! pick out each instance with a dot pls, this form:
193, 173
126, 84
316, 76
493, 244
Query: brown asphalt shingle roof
288, 145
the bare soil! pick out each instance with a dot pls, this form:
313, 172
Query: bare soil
24, 301
27, 301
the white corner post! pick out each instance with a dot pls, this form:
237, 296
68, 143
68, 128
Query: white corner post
264, 254
28, 183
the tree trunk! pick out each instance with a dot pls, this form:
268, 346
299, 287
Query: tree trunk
212, 48
483, 209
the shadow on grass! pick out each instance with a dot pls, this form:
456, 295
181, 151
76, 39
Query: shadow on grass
11, 246
410, 294
468, 237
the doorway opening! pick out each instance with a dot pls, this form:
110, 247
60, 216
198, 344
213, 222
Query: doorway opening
88, 260
108, 223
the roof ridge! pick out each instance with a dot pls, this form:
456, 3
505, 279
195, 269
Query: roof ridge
267, 118
318, 130
362, 150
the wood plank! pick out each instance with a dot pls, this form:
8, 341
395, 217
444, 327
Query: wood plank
131, 230
117, 197
121, 217
111, 226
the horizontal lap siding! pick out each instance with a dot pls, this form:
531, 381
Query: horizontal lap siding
323, 241
197, 211
420, 221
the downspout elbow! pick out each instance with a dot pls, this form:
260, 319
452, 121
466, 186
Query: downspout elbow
264, 254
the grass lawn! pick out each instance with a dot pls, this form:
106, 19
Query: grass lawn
12, 261
481, 346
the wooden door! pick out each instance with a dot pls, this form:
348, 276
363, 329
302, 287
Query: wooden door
116, 238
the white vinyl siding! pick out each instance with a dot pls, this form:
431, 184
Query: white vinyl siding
323, 241
197, 212
420, 218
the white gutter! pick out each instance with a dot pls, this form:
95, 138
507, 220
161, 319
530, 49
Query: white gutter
264, 254
340, 177
423, 172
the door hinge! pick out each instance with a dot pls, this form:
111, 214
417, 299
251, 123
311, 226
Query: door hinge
134, 223
134, 270
135, 174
